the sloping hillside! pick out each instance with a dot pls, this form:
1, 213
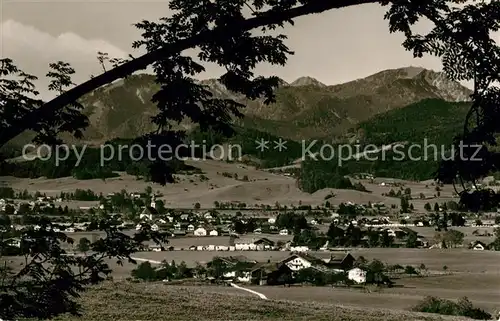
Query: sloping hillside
436, 120
162, 302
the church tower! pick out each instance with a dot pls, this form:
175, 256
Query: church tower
153, 202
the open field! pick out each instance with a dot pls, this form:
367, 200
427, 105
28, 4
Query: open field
481, 289
429, 232
262, 188
142, 301
457, 260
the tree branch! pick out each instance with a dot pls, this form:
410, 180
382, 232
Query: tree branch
267, 18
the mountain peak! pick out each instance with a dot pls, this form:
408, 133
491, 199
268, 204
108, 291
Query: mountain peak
307, 81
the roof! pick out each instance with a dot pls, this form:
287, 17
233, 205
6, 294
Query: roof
264, 240
237, 258
149, 210
266, 267
310, 258
338, 258
478, 243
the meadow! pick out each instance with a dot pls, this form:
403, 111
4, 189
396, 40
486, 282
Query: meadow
157, 301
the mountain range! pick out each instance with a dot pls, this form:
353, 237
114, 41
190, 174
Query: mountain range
304, 108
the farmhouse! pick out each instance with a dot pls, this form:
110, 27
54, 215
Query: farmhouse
200, 231
478, 246
341, 261
252, 244
214, 233
284, 232
298, 262
271, 273
357, 275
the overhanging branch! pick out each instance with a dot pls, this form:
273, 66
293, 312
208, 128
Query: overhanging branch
140, 63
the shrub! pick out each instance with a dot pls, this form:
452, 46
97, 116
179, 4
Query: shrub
446, 307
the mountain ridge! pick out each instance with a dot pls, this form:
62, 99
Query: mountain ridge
304, 109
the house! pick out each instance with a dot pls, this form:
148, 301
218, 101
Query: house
299, 248
264, 244
284, 232
478, 246
190, 227
208, 216
184, 217
271, 220
156, 248
214, 233
200, 231
298, 262
154, 228
257, 231
147, 213
244, 245
15, 242
272, 274
178, 233
340, 261
177, 226
357, 275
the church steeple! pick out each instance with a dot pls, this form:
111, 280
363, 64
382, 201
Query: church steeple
153, 201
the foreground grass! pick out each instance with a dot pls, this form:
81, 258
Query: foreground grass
156, 301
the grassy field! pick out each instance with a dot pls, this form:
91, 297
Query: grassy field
125, 301
481, 289
457, 260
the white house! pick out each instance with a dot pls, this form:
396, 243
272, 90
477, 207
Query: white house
138, 227
271, 220
200, 231
299, 248
214, 233
284, 232
357, 275
478, 246
208, 216
155, 248
190, 227
245, 245
245, 277
296, 263
257, 231
154, 228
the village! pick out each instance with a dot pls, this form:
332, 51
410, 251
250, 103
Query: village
321, 238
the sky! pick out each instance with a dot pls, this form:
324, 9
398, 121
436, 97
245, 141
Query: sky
333, 47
